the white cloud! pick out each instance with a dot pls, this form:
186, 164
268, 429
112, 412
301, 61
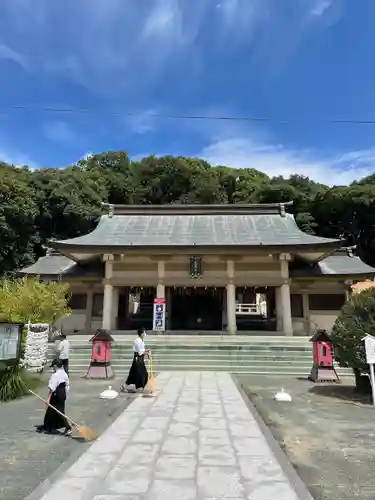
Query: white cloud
105, 45
161, 21
58, 131
143, 122
8, 54
276, 159
320, 7
113, 45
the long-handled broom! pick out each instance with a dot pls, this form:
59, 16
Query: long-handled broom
87, 433
151, 383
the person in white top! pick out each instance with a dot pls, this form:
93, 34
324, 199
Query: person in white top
138, 375
58, 387
64, 352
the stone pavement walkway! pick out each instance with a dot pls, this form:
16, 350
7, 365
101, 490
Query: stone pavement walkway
195, 440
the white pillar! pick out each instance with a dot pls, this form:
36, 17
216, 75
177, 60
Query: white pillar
231, 299
160, 289
108, 294
89, 303
287, 315
306, 312
279, 309
285, 295
107, 306
115, 300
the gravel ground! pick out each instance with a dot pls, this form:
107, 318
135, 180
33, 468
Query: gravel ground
326, 432
28, 458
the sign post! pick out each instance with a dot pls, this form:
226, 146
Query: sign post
10, 343
159, 315
370, 360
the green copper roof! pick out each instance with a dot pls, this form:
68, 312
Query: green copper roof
195, 226
343, 262
55, 264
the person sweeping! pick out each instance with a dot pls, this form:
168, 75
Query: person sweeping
58, 388
138, 375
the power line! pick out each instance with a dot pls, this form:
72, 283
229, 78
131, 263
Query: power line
83, 111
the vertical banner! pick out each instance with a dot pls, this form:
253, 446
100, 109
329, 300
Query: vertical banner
159, 315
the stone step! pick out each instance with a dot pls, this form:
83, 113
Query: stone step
204, 362
121, 372
215, 348
195, 339
290, 356
207, 354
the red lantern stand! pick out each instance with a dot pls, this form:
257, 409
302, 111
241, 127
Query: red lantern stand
323, 369
100, 365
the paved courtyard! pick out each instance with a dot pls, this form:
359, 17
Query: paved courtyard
27, 458
196, 439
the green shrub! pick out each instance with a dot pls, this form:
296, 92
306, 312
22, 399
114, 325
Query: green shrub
15, 381
355, 320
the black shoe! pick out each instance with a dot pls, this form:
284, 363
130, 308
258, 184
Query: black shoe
68, 432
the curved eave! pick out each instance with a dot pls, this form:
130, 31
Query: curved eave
233, 232
84, 253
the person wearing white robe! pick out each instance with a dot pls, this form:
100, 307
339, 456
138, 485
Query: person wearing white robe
58, 387
138, 375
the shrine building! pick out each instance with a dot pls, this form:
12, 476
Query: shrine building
221, 268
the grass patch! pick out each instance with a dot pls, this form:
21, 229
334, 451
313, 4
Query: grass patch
14, 383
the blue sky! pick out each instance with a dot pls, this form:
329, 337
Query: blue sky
303, 60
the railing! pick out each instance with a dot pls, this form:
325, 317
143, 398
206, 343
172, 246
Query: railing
248, 309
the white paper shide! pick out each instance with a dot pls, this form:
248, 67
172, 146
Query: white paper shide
35, 356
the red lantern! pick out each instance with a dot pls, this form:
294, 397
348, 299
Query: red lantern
100, 365
323, 369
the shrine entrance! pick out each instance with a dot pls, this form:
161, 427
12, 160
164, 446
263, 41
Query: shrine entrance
199, 308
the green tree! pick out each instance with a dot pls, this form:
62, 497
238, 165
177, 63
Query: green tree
18, 211
168, 179
24, 300
28, 299
114, 170
356, 319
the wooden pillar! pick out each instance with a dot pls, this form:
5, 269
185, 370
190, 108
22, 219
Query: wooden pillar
89, 304
160, 289
306, 312
231, 299
285, 296
279, 310
108, 294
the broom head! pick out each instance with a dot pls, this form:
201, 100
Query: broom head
87, 433
151, 385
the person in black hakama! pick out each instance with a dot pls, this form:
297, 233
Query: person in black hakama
138, 375
58, 387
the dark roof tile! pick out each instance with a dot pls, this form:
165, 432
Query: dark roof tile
59, 265
341, 263
253, 229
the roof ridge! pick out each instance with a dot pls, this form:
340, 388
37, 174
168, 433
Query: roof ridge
182, 209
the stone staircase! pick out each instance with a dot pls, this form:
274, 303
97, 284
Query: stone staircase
263, 355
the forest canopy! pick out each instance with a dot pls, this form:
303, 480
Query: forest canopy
43, 204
